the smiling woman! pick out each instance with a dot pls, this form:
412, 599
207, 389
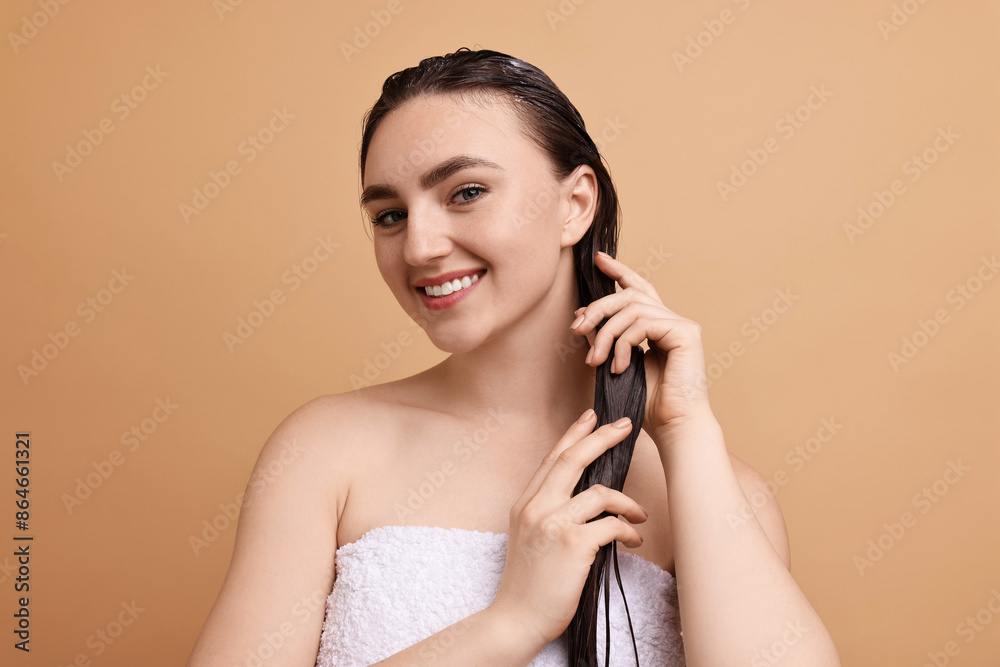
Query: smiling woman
472, 514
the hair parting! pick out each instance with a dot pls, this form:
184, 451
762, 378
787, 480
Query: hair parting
556, 126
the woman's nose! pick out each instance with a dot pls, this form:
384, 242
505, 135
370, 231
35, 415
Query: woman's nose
427, 236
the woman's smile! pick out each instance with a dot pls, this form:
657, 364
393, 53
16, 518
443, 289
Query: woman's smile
448, 289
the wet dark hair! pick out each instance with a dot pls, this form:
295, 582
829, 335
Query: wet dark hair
554, 124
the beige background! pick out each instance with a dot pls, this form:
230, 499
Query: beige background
670, 132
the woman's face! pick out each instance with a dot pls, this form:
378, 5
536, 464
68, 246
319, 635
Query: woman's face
456, 192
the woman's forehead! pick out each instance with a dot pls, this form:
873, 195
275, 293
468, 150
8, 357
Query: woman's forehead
430, 128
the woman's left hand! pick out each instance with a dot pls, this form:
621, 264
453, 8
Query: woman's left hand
676, 383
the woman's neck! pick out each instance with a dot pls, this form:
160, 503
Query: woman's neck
537, 373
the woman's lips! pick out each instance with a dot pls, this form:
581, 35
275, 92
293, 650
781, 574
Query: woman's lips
443, 302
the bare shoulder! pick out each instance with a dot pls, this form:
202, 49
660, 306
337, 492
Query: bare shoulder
765, 506
331, 433
337, 432
283, 555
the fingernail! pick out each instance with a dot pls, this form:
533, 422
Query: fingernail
644, 511
576, 322
622, 423
586, 416
590, 355
601, 252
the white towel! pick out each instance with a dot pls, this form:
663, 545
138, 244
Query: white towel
397, 585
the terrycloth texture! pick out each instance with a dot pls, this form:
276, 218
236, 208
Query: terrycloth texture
397, 585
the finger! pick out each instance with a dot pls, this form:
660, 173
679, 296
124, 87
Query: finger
576, 316
577, 431
634, 317
564, 473
590, 334
596, 499
661, 335
623, 274
603, 531
608, 306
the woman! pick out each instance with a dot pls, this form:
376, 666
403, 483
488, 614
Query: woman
449, 497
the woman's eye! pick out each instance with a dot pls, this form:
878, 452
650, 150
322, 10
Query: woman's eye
469, 193
388, 218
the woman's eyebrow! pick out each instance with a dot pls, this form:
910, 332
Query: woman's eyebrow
431, 178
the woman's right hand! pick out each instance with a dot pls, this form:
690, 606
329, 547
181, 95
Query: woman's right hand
551, 547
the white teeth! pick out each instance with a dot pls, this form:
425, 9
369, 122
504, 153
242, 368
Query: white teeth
454, 286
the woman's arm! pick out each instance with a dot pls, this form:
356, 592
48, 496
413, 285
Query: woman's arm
739, 602
273, 599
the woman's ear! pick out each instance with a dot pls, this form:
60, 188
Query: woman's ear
580, 198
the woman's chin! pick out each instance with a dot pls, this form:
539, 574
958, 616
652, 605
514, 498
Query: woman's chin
453, 343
